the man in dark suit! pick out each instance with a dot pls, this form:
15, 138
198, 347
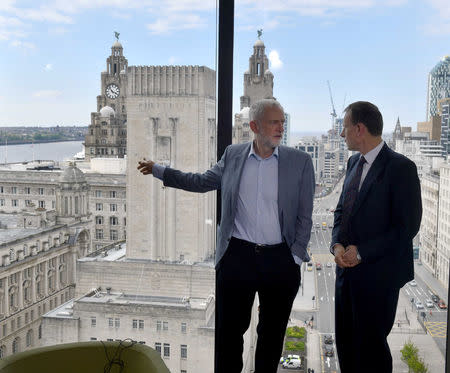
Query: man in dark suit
375, 221
267, 195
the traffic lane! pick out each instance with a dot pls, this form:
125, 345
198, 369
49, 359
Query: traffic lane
422, 293
329, 363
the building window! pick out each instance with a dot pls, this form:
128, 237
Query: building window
93, 339
2, 202
42, 204
14, 203
158, 326
183, 328
184, 351
112, 207
27, 190
99, 220
110, 322
98, 193
99, 234
13, 190
27, 202
113, 235
166, 349
165, 326
2, 351
112, 194
141, 324
29, 338
32, 315
135, 324
15, 345
117, 322
1, 189
158, 347
114, 220
41, 191
183, 371
40, 331
93, 321
99, 206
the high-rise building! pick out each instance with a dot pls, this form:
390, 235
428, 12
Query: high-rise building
107, 133
444, 115
258, 79
438, 85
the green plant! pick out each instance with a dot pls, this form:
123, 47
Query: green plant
410, 356
295, 332
294, 346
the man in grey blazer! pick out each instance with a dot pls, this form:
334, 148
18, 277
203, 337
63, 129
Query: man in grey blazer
267, 200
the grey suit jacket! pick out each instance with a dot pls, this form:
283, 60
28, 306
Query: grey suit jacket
295, 193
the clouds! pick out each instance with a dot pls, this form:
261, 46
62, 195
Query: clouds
47, 93
48, 67
275, 61
173, 22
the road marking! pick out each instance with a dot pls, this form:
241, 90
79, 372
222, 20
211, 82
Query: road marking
328, 361
437, 329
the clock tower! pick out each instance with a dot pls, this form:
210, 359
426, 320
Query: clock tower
106, 136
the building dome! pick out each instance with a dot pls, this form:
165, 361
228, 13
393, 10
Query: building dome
245, 112
259, 43
117, 44
72, 174
107, 111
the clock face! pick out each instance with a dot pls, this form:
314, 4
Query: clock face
112, 91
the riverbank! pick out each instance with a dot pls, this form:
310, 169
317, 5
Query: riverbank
24, 142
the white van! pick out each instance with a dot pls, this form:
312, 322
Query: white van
292, 364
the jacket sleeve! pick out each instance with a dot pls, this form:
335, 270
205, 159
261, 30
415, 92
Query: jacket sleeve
304, 212
196, 182
406, 213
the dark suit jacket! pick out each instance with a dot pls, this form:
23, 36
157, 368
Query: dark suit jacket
385, 218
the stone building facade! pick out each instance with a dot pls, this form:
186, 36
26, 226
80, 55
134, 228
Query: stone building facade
38, 250
171, 119
106, 198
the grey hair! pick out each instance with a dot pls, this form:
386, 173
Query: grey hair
257, 109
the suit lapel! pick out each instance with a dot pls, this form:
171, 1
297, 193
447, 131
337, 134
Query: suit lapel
238, 166
283, 175
376, 168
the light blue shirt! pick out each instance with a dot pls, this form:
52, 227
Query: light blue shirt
257, 204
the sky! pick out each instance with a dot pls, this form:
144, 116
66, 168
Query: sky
53, 52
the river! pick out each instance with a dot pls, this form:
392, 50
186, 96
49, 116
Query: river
56, 151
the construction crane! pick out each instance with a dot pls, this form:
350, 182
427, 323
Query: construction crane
333, 114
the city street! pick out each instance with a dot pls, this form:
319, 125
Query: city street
316, 300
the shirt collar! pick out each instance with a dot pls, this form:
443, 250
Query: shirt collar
372, 155
252, 152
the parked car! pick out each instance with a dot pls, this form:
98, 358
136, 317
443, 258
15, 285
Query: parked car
413, 283
329, 265
329, 351
419, 304
318, 266
442, 304
328, 339
292, 364
435, 298
429, 303
309, 266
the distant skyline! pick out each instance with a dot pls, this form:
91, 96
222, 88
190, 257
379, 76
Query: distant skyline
377, 50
